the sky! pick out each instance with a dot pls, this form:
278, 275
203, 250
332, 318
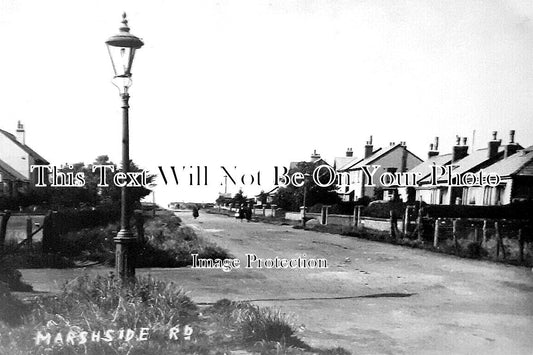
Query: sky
258, 84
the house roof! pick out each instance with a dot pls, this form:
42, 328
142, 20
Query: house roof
520, 163
294, 164
375, 156
27, 149
6, 168
475, 159
269, 193
424, 169
339, 162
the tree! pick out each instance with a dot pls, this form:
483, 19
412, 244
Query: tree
290, 198
89, 194
239, 199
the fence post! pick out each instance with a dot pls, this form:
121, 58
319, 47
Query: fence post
419, 227
324, 215
355, 216
499, 240
475, 234
520, 246
405, 220
4, 217
393, 225
454, 234
484, 240
436, 233
29, 230
47, 232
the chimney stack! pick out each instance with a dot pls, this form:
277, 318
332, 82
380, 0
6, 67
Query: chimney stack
459, 151
432, 151
349, 152
511, 147
494, 144
369, 148
21, 134
315, 155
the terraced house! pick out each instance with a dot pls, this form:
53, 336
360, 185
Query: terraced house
511, 162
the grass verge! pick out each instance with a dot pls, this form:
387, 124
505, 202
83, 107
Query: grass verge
101, 315
166, 243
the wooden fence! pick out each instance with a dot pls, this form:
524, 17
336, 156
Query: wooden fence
505, 238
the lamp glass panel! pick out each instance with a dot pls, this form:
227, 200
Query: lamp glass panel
122, 59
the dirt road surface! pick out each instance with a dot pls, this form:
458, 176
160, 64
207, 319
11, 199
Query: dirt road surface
373, 298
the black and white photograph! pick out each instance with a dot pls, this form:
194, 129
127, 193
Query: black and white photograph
231, 177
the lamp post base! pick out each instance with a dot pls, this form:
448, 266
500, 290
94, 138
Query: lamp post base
124, 254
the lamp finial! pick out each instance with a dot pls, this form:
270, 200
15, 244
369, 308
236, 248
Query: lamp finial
124, 27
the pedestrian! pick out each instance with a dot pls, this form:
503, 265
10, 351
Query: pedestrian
248, 213
195, 212
241, 212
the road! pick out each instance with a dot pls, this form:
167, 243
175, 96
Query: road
373, 298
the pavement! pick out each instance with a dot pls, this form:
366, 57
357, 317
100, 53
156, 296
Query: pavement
373, 298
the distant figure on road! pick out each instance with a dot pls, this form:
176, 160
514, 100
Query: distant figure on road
248, 213
241, 213
195, 212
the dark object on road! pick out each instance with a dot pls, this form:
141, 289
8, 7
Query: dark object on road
248, 213
241, 213
195, 212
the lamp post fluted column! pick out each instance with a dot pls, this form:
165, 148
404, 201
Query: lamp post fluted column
125, 240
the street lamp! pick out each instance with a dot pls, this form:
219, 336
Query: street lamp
306, 177
122, 50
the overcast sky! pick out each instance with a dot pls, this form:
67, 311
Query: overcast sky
255, 84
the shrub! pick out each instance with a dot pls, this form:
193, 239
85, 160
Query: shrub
12, 310
474, 250
12, 278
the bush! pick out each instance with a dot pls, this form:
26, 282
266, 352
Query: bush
474, 250
519, 210
12, 278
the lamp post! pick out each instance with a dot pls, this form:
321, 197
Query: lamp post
121, 49
306, 177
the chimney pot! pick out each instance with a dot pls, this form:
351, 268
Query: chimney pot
464, 140
21, 133
494, 145
349, 152
369, 148
436, 145
511, 136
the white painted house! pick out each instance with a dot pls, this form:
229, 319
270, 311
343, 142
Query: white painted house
15, 161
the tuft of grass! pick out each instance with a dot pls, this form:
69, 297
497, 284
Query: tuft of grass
252, 324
